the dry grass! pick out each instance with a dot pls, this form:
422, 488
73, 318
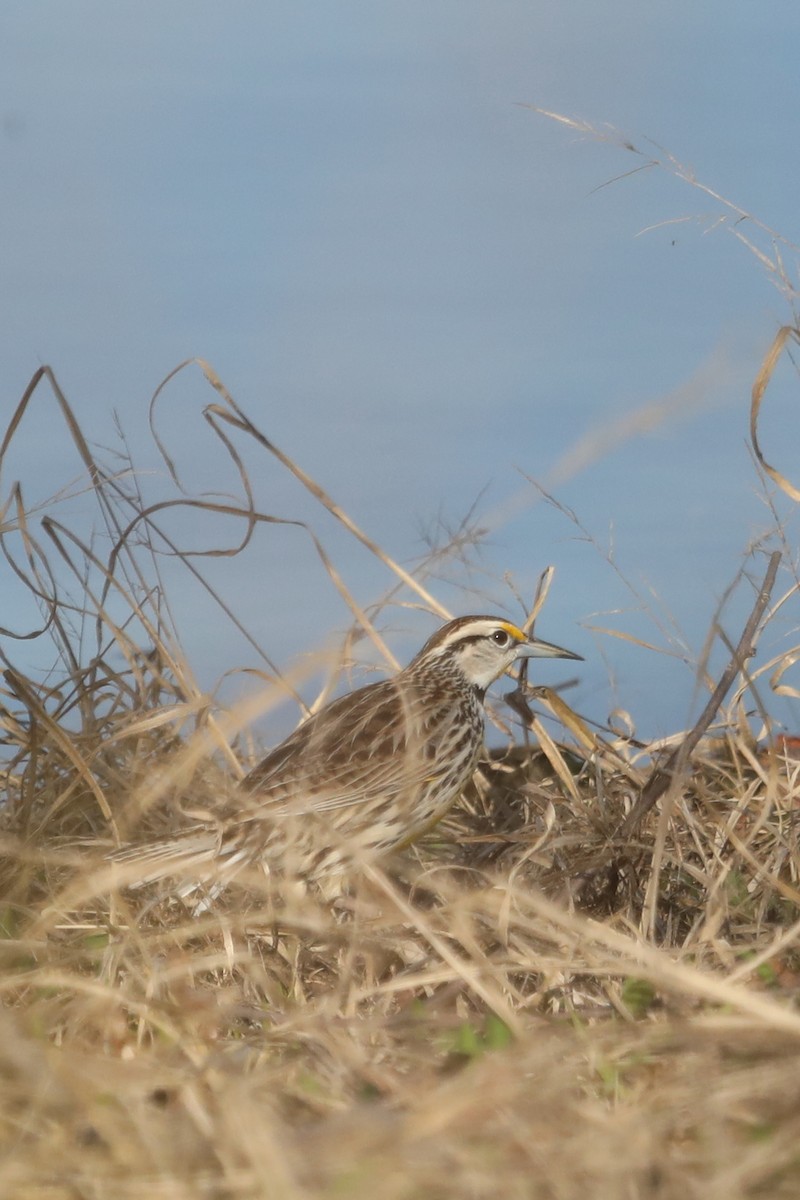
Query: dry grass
531, 1004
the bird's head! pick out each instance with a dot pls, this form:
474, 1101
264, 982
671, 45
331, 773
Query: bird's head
483, 648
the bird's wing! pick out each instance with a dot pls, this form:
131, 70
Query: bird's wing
371, 743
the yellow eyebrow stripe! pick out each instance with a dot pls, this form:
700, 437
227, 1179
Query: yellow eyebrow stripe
514, 631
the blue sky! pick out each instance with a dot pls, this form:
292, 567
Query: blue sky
416, 286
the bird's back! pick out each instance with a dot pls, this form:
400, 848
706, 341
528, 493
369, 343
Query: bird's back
388, 742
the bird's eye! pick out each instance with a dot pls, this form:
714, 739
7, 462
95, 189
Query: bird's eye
500, 637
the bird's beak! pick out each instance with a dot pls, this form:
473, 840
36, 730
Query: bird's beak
535, 648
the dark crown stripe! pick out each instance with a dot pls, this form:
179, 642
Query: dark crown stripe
450, 633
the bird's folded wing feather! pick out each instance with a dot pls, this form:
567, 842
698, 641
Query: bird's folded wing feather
370, 744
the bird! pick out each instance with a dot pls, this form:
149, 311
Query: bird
366, 775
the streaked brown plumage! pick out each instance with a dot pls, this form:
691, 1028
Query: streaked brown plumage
365, 775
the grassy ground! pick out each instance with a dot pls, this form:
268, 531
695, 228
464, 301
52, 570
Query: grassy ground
539, 1001
487, 1019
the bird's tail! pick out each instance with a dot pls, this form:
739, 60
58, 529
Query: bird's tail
190, 858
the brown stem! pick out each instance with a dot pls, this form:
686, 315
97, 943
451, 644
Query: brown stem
661, 778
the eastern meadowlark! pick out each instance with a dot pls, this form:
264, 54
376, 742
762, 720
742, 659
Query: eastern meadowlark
367, 774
